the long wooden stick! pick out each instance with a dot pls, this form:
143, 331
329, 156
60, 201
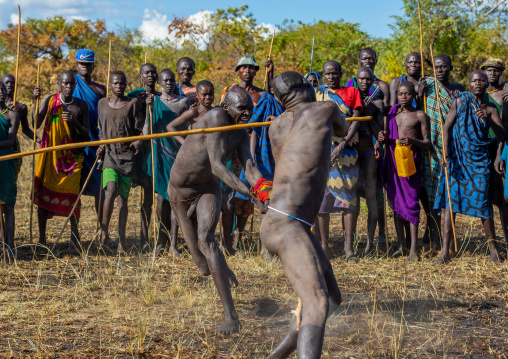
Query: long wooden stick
423, 75
269, 58
17, 59
33, 157
444, 149
70, 146
109, 69
312, 54
154, 204
75, 205
2, 234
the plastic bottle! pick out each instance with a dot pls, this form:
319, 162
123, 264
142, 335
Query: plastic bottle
404, 159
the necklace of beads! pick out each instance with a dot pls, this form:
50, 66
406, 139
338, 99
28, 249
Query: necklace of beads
66, 103
4, 111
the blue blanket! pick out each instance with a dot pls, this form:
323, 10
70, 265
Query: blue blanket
84, 92
468, 163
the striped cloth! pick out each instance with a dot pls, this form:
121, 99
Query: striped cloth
432, 168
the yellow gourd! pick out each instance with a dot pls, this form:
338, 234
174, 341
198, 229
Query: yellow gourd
404, 160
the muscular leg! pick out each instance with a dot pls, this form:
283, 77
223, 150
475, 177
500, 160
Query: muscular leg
369, 174
99, 207
490, 233
444, 256
322, 231
413, 254
433, 219
164, 216
207, 213
75, 243
399, 228
9, 228
241, 222
146, 209
310, 273
42, 216
123, 212
109, 202
350, 229
227, 219
174, 236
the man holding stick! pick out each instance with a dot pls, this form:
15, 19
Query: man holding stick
90, 92
467, 160
195, 192
58, 173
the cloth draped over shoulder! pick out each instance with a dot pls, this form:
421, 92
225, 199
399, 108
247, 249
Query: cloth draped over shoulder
403, 78
344, 173
85, 93
57, 173
436, 153
8, 189
504, 157
403, 193
374, 91
468, 163
164, 149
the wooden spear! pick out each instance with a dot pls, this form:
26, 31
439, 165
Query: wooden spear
75, 205
17, 59
154, 204
444, 149
150, 137
109, 69
33, 157
269, 58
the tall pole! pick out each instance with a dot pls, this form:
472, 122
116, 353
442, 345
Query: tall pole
444, 149
312, 54
109, 69
269, 58
34, 144
17, 60
154, 204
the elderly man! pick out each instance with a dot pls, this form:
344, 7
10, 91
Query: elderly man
90, 92
467, 160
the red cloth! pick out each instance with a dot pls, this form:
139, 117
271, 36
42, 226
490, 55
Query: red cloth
263, 189
351, 97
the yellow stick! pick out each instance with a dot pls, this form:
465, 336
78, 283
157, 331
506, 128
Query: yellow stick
33, 157
109, 69
269, 58
75, 205
150, 137
444, 149
145, 58
17, 59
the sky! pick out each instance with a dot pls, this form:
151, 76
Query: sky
153, 16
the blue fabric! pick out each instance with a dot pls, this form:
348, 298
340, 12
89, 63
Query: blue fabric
504, 157
85, 55
468, 163
403, 78
85, 93
267, 106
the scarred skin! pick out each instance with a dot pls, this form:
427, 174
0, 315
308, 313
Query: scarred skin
366, 154
299, 185
13, 118
488, 111
10, 81
367, 58
76, 115
195, 193
414, 132
413, 66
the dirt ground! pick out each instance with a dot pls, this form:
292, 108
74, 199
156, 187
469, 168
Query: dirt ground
102, 306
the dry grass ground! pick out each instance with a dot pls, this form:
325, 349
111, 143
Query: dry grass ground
105, 306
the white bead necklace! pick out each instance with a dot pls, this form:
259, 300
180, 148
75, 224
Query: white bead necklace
66, 103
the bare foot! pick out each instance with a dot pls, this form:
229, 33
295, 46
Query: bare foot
230, 326
413, 257
233, 282
174, 252
496, 257
399, 253
120, 251
352, 259
441, 259
431, 253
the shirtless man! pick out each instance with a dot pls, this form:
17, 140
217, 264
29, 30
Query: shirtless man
9, 123
413, 66
300, 181
10, 83
406, 126
195, 192
366, 154
57, 185
148, 78
368, 58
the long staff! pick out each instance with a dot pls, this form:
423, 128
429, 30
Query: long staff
269, 58
17, 59
33, 157
109, 69
150, 137
423, 74
154, 204
74, 206
2, 233
312, 54
444, 149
